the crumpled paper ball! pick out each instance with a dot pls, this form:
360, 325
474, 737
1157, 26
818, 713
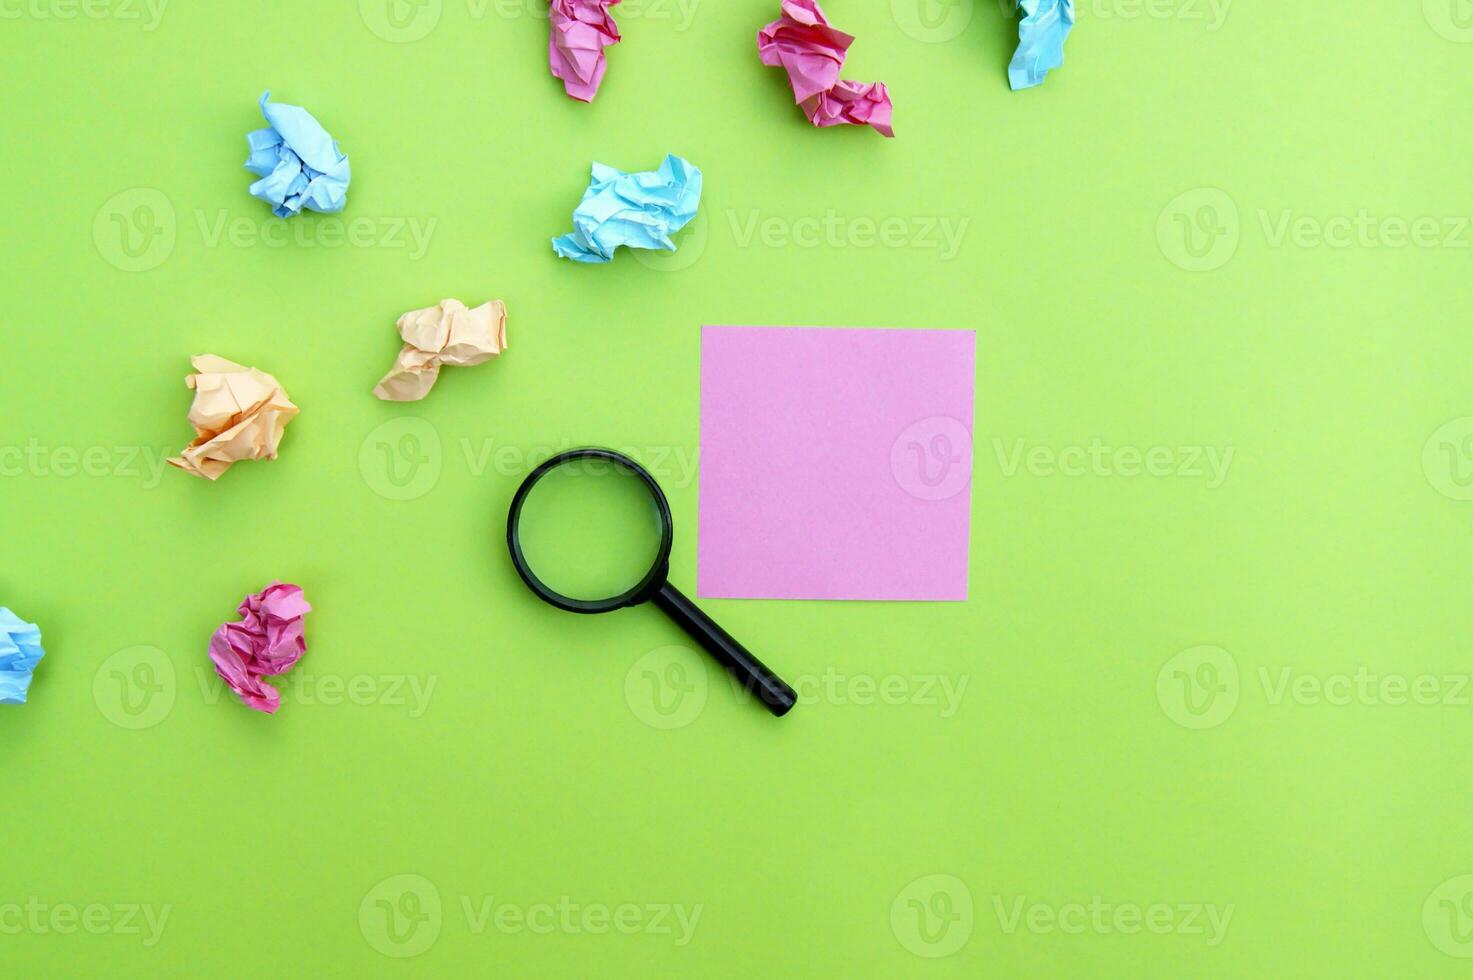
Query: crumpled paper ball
266, 642
1041, 35
238, 413
803, 43
638, 210
853, 104
299, 164
20, 652
448, 333
580, 30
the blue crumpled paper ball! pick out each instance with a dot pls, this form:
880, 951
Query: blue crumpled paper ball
20, 652
1041, 34
299, 164
640, 210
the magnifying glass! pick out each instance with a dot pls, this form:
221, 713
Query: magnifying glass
589, 531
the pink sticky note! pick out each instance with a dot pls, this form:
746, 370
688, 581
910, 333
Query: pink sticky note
835, 463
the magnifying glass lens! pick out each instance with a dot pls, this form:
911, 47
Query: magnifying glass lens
590, 529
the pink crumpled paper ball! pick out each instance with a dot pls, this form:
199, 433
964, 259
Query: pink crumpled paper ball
580, 30
812, 52
267, 641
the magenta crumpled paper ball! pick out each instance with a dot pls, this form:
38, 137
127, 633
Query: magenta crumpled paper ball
267, 641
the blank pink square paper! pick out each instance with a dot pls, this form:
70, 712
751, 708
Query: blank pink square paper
836, 463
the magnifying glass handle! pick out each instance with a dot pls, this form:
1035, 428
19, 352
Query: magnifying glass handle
754, 676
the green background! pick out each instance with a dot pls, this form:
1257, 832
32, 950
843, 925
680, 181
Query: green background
1337, 832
